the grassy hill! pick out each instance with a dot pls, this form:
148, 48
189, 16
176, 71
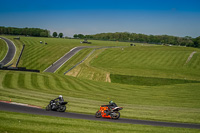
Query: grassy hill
158, 61
177, 102
40, 56
144, 65
3, 49
151, 82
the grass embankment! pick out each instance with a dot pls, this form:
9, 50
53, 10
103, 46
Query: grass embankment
147, 81
19, 46
86, 71
3, 49
178, 103
74, 60
40, 56
23, 123
157, 61
141, 65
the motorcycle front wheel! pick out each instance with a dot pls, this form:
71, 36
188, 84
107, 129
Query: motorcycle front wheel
98, 114
115, 115
48, 107
62, 108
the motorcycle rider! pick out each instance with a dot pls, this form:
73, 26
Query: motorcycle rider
58, 100
110, 106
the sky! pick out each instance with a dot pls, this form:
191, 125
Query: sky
151, 17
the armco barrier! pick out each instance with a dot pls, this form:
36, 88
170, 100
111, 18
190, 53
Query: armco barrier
19, 69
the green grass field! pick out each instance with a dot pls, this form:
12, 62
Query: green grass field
74, 60
157, 61
176, 103
151, 82
40, 56
148, 81
19, 46
24, 123
3, 49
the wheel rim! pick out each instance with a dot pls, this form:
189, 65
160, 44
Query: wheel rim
48, 107
98, 114
62, 108
116, 115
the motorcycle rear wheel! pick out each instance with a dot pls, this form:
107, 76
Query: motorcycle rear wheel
48, 107
98, 114
62, 108
115, 115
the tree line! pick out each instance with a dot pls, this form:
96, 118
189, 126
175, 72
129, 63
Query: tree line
24, 31
37, 32
142, 38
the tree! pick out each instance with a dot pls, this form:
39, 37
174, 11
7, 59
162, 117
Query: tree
60, 35
197, 42
55, 34
75, 36
81, 36
43, 34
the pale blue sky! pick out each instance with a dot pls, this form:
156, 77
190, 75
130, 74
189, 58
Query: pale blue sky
157, 17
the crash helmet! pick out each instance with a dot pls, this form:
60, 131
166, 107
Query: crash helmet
111, 102
60, 96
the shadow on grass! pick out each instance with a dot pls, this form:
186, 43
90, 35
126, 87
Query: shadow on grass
147, 81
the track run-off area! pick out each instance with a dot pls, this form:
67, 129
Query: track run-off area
21, 108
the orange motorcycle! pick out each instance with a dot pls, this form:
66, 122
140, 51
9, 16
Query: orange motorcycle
106, 112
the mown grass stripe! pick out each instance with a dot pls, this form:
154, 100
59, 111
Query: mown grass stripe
72, 84
34, 81
47, 83
23, 97
194, 62
21, 81
58, 83
65, 83
94, 87
7, 80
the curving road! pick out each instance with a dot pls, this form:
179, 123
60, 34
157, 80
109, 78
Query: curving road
55, 66
39, 111
11, 51
64, 59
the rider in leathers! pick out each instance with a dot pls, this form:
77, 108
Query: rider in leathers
110, 106
60, 98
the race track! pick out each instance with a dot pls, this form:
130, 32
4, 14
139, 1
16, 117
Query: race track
64, 59
56, 65
11, 51
38, 111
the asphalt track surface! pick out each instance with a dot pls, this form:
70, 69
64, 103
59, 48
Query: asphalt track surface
64, 59
11, 51
38, 111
